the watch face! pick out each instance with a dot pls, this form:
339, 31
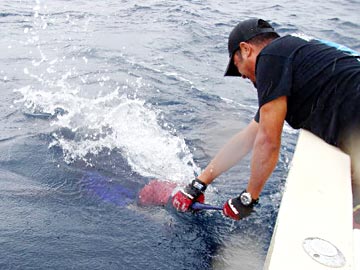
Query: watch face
245, 198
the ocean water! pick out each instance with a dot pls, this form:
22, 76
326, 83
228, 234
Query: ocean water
99, 97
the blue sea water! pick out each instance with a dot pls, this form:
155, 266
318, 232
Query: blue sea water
97, 95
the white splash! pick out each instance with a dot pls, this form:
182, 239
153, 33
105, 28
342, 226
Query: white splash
113, 121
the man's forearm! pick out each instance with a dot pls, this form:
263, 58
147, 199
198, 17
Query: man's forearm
231, 153
267, 144
264, 159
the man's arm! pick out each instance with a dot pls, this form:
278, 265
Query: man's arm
267, 144
232, 152
229, 155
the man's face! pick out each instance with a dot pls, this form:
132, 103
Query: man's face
245, 64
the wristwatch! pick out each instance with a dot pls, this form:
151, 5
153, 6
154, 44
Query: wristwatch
246, 199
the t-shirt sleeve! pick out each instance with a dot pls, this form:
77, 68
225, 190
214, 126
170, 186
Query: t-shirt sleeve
273, 78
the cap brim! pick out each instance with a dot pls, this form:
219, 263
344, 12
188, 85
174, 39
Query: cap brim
231, 69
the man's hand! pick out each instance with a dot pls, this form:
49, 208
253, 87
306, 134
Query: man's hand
193, 192
235, 209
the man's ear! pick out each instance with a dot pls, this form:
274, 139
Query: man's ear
245, 49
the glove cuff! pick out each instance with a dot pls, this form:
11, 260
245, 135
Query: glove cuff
198, 184
194, 189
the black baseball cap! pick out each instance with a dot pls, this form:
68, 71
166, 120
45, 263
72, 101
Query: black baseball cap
244, 31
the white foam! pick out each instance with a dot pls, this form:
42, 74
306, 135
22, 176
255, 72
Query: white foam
112, 121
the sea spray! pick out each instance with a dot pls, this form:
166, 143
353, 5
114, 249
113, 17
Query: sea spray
114, 121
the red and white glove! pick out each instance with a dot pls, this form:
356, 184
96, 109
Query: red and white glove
193, 192
234, 208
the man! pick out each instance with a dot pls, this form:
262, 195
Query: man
305, 82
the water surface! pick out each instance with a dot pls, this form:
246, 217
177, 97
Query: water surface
128, 92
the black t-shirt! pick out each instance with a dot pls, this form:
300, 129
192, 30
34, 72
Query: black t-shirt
322, 85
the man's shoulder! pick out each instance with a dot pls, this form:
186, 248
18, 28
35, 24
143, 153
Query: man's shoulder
288, 42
